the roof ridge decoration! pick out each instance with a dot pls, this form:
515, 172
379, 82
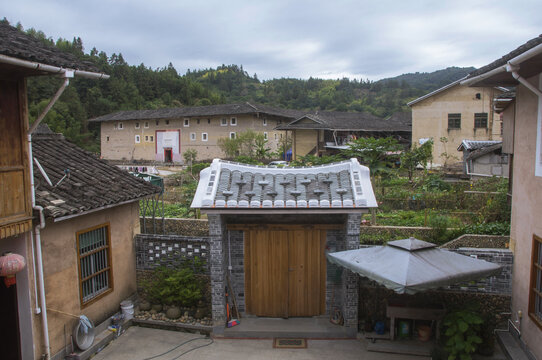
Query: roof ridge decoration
342, 186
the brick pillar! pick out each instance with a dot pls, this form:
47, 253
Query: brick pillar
218, 271
350, 279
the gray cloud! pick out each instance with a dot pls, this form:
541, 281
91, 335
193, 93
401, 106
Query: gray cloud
362, 39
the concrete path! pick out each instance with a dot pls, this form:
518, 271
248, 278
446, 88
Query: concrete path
139, 343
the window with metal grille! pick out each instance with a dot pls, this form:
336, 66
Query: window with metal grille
95, 272
535, 293
454, 121
480, 121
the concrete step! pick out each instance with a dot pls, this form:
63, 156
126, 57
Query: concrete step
307, 328
511, 347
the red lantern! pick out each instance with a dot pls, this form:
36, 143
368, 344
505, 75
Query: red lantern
11, 264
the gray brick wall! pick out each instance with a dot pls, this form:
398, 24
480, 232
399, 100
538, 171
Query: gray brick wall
218, 271
237, 254
499, 284
334, 273
350, 280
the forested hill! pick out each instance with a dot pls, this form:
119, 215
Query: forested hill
133, 87
382, 98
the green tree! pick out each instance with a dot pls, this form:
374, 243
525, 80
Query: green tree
249, 144
379, 154
418, 155
190, 156
312, 160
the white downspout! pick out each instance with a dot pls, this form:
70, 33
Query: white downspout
36, 244
49, 68
43, 303
513, 69
36, 236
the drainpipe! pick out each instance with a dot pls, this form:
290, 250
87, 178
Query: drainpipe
67, 75
38, 257
513, 69
49, 68
36, 236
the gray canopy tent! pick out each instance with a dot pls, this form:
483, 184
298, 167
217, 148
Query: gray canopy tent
411, 265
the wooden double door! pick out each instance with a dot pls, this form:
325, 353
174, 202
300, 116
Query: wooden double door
285, 271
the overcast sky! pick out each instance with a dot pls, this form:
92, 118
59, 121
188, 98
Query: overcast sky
371, 39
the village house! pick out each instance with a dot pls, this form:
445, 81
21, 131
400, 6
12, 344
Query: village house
483, 158
269, 231
22, 310
325, 133
48, 211
163, 135
91, 213
456, 113
522, 141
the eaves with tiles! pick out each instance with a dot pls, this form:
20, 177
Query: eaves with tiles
227, 187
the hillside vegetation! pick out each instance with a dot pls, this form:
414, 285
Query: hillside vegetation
133, 87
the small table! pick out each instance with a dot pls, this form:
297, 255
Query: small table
406, 311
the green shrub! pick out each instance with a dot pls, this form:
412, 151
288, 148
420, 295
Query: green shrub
439, 228
434, 182
494, 228
196, 168
462, 329
174, 286
248, 160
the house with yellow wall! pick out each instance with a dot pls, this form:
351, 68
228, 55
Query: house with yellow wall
91, 215
522, 141
164, 135
452, 114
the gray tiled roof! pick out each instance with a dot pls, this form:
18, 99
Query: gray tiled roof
471, 145
92, 183
190, 111
16, 44
336, 120
503, 60
485, 150
402, 117
226, 186
525, 60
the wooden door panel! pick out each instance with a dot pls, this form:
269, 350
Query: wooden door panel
266, 259
285, 272
306, 273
